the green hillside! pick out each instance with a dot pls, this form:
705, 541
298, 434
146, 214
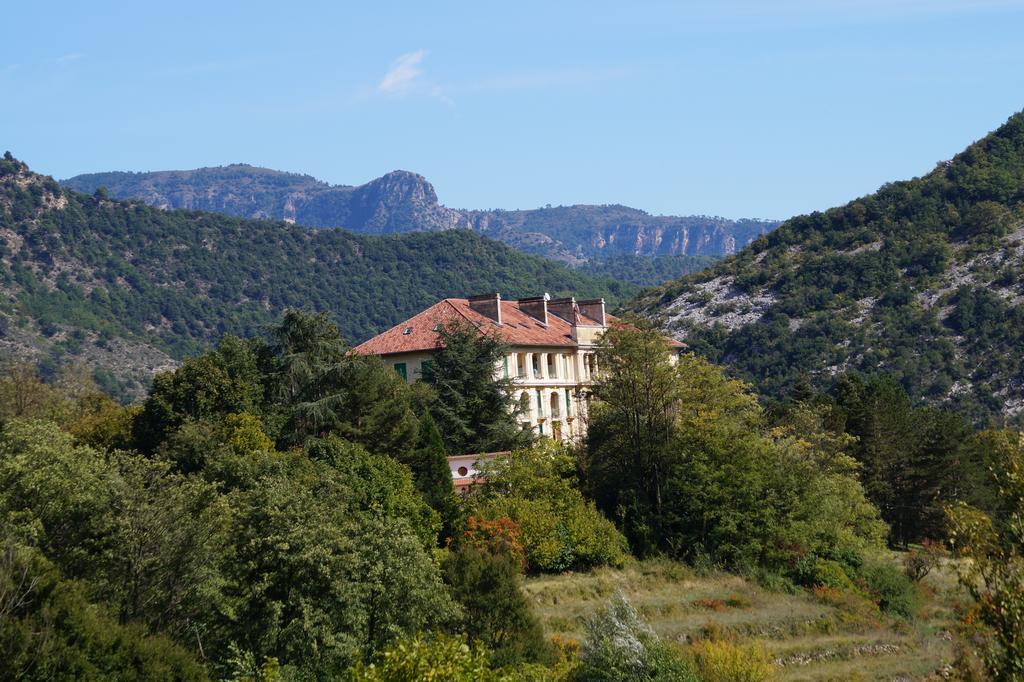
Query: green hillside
922, 279
129, 288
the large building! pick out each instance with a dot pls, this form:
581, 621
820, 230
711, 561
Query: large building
551, 358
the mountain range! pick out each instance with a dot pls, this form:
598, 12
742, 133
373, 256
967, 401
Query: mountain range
923, 279
406, 202
129, 289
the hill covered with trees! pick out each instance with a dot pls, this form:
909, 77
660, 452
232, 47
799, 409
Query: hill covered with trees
923, 279
406, 202
130, 289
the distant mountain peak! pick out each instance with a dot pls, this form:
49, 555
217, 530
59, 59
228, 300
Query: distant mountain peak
404, 201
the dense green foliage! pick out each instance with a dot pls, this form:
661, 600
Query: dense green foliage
647, 271
49, 630
920, 279
488, 587
473, 410
684, 459
101, 271
560, 529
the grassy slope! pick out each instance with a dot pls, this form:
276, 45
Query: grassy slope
809, 638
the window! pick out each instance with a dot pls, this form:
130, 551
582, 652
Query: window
463, 471
424, 366
402, 371
407, 331
568, 403
540, 404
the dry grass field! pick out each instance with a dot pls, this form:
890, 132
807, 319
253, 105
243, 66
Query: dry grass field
810, 635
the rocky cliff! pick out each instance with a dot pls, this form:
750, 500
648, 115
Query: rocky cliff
406, 202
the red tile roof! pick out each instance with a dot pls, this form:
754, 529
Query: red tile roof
419, 333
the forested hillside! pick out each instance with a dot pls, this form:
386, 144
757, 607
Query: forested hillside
406, 202
922, 279
128, 288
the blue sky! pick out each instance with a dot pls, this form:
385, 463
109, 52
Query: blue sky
740, 109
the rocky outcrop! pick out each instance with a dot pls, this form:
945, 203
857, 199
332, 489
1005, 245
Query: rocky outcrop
406, 202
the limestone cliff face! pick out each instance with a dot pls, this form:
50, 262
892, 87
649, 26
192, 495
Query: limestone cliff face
406, 202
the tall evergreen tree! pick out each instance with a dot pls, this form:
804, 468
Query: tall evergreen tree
320, 388
474, 408
488, 586
433, 476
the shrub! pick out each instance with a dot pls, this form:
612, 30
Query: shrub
437, 657
920, 561
814, 571
561, 530
619, 646
723, 661
893, 591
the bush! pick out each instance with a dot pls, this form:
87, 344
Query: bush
920, 561
893, 591
560, 529
437, 657
723, 661
812, 571
619, 646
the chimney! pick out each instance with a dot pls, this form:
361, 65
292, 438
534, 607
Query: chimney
565, 308
594, 309
488, 305
536, 307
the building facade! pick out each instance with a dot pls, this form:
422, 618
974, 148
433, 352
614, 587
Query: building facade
551, 356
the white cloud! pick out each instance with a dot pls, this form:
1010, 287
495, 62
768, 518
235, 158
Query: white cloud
68, 58
403, 74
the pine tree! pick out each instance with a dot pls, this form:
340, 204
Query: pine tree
433, 477
473, 409
488, 587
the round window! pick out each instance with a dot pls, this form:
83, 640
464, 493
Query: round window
463, 471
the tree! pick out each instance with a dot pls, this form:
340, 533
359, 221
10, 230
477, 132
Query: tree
433, 476
495, 611
685, 460
914, 460
222, 381
330, 560
992, 545
474, 408
49, 630
319, 388
632, 428
149, 542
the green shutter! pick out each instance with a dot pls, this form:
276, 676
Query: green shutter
540, 404
423, 367
402, 372
506, 367
568, 404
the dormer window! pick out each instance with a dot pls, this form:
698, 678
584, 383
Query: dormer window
407, 331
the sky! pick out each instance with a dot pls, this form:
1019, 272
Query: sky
733, 108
